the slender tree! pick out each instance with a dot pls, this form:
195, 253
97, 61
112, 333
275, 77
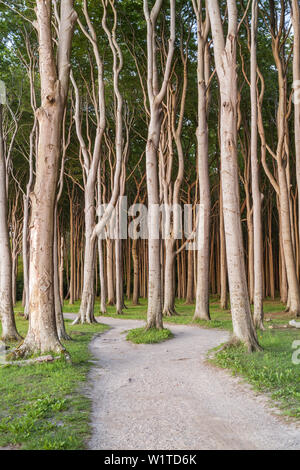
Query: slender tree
225, 59
202, 286
9, 330
155, 96
257, 224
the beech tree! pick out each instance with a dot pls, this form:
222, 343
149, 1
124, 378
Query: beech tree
147, 117
225, 59
54, 74
296, 85
90, 163
203, 72
155, 97
9, 330
257, 225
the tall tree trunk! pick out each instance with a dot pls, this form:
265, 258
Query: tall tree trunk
225, 58
257, 224
135, 261
9, 330
169, 281
110, 273
296, 86
156, 96
88, 293
42, 334
59, 317
223, 263
203, 248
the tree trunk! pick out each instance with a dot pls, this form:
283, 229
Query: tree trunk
225, 58
156, 96
296, 86
9, 330
42, 334
169, 284
257, 224
59, 317
154, 313
135, 261
87, 304
110, 273
203, 239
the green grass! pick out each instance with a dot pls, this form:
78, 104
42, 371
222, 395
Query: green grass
42, 406
270, 370
153, 335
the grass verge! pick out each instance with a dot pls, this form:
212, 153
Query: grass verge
271, 370
153, 335
42, 406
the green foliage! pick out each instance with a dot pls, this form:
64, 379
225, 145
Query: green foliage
150, 336
41, 405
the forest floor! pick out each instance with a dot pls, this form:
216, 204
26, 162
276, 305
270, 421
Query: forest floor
167, 396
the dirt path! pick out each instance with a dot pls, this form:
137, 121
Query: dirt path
165, 396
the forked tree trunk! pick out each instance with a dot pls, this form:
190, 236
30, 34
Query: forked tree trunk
156, 96
9, 330
225, 58
284, 200
42, 334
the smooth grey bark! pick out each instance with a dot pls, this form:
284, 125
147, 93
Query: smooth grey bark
9, 330
257, 222
203, 249
155, 96
54, 74
225, 59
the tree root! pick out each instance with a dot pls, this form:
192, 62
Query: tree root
235, 342
11, 338
170, 312
28, 348
64, 337
199, 317
28, 362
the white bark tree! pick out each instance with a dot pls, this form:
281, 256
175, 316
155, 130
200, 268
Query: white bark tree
257, 223
225, 60
202, 285
9, 330
296, 85
156, 95
54, 75
90, 162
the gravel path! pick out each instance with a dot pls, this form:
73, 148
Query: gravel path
165, 396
